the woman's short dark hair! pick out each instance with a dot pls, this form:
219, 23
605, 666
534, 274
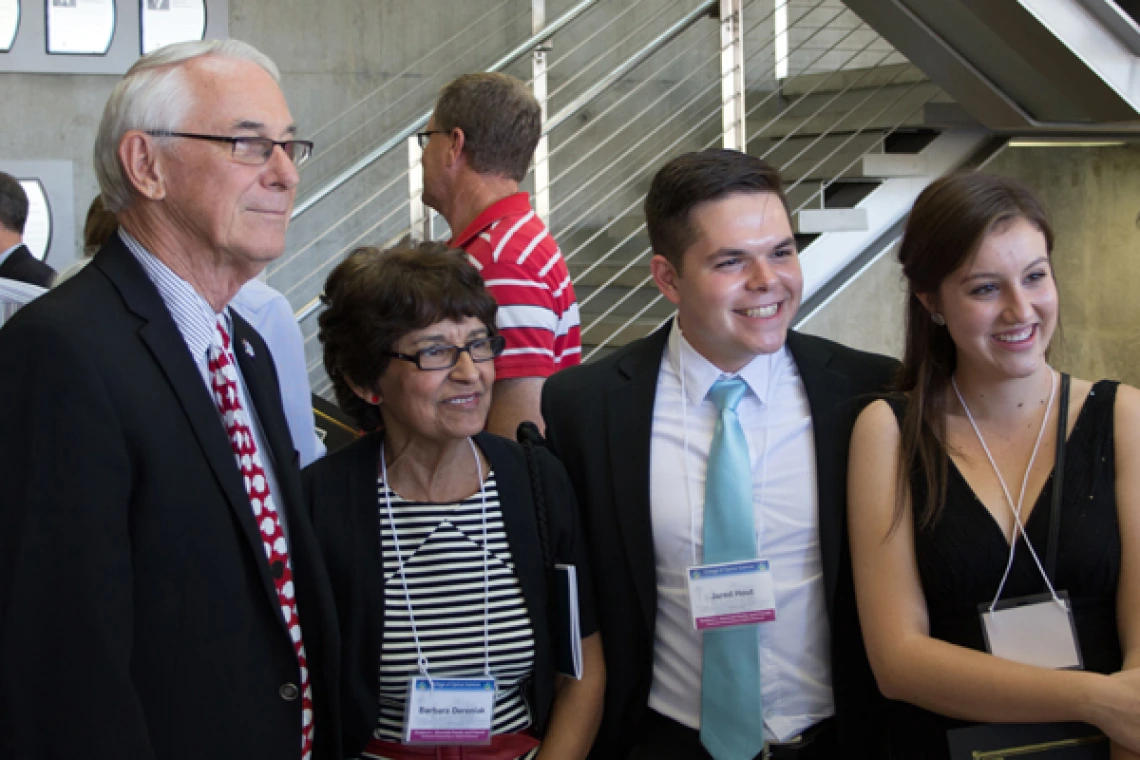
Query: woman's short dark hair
950, 220
375, 297
98, 228
695, 178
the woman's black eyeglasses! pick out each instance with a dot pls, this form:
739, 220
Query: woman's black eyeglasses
446, 357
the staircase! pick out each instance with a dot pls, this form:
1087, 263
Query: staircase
854, 147
853, 127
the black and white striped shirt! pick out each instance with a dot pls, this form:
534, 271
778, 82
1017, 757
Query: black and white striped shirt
441, 546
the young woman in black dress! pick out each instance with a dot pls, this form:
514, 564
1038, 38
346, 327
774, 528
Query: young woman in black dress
950, 488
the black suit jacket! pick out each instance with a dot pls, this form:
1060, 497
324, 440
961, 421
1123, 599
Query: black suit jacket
138, 617
598, 421
341, 490
23, 266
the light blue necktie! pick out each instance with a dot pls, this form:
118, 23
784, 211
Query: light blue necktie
732, 716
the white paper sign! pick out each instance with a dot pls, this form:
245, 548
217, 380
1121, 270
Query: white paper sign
80, 26
731, 593
449, 711
1034, 631
37, 229
9, 23
168, 21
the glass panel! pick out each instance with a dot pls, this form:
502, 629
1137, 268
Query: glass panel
82, 27
9, 23
168, 21
37, 230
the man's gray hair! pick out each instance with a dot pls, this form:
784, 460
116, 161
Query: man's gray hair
153, 96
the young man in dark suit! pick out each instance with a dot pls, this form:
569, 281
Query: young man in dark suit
16, 261
722, 437
162, 594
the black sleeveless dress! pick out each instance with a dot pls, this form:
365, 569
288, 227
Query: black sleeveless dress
962, 557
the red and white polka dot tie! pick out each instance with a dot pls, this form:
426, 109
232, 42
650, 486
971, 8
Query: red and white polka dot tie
223, 382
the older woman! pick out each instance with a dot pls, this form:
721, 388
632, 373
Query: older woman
997, 582
433, 540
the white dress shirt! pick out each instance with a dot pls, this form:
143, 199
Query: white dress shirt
795, 665
15, 294
197, 322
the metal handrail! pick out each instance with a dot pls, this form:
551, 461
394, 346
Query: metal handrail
327, 150
564, 55
657, 299
822, 107
860, 157
616, 46
631, 63
598, 321
644, 83
571, 226
396, 77
581, 200
834, 128
409, 130
570, 110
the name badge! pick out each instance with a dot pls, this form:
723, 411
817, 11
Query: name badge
731, 593
1034, 630
449, 711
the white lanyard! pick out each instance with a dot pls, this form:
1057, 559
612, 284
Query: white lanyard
1015, 508
773, 374
422, 660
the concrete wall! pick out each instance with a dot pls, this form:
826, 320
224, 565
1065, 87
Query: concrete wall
868, 314
1093, 195
331, 54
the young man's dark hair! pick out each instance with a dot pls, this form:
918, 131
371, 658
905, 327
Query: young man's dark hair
695, 178
13, 204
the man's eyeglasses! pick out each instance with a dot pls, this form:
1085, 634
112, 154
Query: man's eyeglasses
423, 137
446, 357
254, 151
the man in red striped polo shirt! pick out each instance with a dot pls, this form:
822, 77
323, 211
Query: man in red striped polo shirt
476, 150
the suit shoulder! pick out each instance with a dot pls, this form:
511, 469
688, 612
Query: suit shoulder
588, 378
340, 462
854, 360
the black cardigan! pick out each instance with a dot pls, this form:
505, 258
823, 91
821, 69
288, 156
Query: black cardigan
341, 492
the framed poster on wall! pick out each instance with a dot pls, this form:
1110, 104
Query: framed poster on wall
79, 27
9, 23
167, 21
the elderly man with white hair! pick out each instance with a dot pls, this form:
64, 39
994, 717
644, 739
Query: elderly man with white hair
161, 592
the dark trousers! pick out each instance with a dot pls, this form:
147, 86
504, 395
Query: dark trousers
663, 738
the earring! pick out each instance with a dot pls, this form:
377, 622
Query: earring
374, 399
937, 319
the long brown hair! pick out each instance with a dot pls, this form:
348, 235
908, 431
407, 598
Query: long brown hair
946, 227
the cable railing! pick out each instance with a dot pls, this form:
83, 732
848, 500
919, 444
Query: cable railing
389, 146
592, 323
410, 129
625, 109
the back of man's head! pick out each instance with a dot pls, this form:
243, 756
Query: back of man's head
695, 178
153, 96
500, 119
13, 204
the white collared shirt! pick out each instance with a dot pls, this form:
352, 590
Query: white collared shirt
15, 294
795, 664
196, 322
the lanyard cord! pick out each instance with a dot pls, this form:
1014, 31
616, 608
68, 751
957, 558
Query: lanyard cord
685, 459
1019, 528
772, 370
422, 661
